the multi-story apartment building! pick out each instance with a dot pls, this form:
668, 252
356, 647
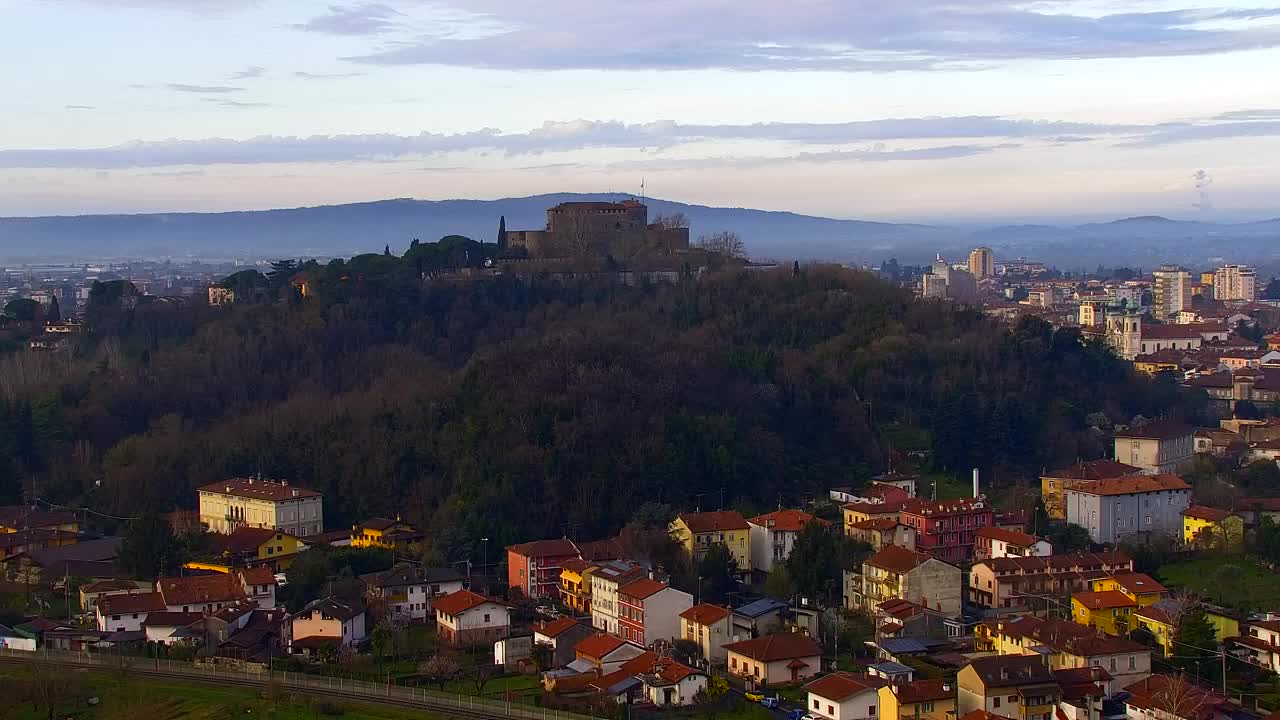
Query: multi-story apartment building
982, 263
711, 628
1013, 584
1158, 447
947, 529
1053, 485
896, 573
575, 584
1172, 291
1064, 644
698, 531
1235, 282
996, 542
1019, 687
773, 535
258, 503
606, 580
649, 611
534, 567
1133, 506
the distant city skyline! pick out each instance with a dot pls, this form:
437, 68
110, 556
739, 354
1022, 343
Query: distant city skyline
929, 111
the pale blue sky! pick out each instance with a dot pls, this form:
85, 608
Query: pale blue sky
923, 110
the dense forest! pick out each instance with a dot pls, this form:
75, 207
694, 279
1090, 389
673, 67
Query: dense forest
515, 408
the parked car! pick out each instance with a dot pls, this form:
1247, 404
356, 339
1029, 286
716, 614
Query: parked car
796, 715
769, 702
754, 697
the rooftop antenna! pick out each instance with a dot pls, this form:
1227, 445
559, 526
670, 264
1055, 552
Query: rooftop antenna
641, 191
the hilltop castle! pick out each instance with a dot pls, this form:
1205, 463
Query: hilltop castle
596, 229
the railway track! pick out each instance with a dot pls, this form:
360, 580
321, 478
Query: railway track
388, 695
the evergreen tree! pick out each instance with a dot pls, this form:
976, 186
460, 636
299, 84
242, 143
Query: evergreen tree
150, 548
718, 574
1195, 645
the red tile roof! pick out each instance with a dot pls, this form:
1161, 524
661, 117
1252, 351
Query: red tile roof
840, 685
1094, 470
560, 547
715, 521
1105, 600
786, 520
943, 508
1157, 430
597, 647
1204, 512
783, 646
1131, 485
1012, 537
706, 614
983, 715
919, 691
259, 489
1138, 583
244, 540
459, 602
200, 589
884, 508
552, 628
260, 575
898, 559
642, 588
135, 603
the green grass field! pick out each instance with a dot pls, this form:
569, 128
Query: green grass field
1236, 582
124, 699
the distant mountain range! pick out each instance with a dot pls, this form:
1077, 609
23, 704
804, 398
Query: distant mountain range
341, 230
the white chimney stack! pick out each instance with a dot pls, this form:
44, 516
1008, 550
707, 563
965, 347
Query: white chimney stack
975, 483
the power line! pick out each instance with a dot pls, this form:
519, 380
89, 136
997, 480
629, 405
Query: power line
42, 501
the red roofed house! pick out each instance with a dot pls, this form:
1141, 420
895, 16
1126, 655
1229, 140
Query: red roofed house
1170, 697
773, 535
606, 653
994, 542
649, 610
899, 573
326, 622
259, 583
1260, 641
126, 613
1054, 484
561, 635
534, 567
254, 502
1158, 447
775, 659
698, 531
845, 696
879, 533
466, 618
710, 626
1133, 506
1008, 584
947, 529
200, 593
670, 684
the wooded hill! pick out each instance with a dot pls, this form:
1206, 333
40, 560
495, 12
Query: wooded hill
514, 409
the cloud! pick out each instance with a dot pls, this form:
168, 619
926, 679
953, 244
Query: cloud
80, 107
250, 72
837, 35
929, 138
204, 89
326, 76
1249, 115
369, 18
220, 102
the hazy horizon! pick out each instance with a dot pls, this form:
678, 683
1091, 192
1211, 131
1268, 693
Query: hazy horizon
932, 111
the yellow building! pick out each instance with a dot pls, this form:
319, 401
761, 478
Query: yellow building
918, 700
386, 533
1020, 687
252, 546
1208, 527
697, 532
1224, 621
258, 503
1155, 364
1108, 611
1141, 588
575, 584
1160, 623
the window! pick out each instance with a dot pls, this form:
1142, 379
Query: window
1148, 519
1113, 664
486, 617
995, 703
1133, 663
831, 710
926, 706
815, 704
871, 711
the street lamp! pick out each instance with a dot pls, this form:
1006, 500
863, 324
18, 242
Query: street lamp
484, 556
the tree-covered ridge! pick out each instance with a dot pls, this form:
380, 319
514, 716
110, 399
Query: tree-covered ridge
514, 409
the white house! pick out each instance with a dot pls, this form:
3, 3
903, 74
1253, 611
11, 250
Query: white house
10, 639
671, 684
160, 626
1259, 642
996, 542
408, 590
201, 593
259, 585
126, 613
774, 534
328, 622
774, 659
844, 696
467, 618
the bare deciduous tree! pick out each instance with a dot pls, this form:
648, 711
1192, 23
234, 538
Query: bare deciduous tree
673, 221
725, 242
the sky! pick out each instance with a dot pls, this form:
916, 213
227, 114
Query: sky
920, 110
